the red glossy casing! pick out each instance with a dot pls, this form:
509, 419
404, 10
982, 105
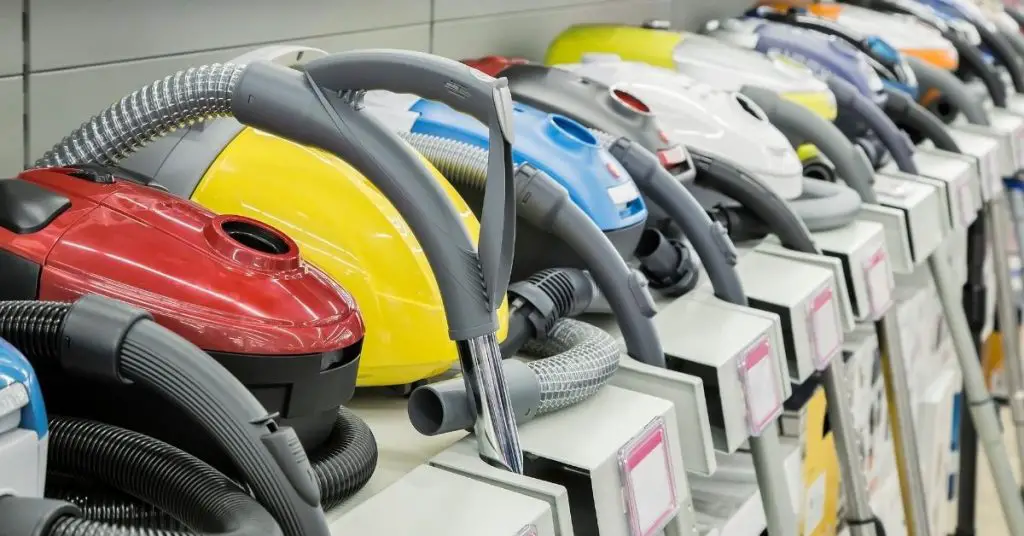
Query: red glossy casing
173, 258
493, 65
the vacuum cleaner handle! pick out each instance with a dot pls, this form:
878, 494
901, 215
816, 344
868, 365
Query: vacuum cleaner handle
467, 90
294, 105
287, 55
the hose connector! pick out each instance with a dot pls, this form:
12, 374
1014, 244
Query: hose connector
667, 263
550, 295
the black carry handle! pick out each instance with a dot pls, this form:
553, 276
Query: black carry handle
467, 90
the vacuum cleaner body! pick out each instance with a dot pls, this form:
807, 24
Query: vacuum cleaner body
883, 57
724, 124
823, 54
906, 32
562, 148
342, 222
23, 426
233, 286
700, 57
611, 110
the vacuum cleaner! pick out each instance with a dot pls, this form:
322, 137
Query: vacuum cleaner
314, 107
106, 343
23, 427
233, 286
230, 168
699, 57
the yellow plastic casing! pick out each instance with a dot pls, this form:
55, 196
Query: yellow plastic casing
345, 226
654, 47
819, 514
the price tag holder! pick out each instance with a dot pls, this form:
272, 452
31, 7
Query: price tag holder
529, 530
760, 386
649, 488
824, 328
880, 283
966, 204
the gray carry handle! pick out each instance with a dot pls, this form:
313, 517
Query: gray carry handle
951, 87
898, 144
469, 91
289, 104
286, 55
801, 125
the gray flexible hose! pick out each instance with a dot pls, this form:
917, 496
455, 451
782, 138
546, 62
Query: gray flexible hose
851, 100
950, 87
822, 205
572, 364
801, 125
464, 164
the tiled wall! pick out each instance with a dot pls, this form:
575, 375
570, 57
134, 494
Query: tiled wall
62, 61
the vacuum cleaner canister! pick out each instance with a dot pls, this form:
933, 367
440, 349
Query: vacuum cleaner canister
233, 286
700, 57
724, 124
905, 32
560, 147
343, 224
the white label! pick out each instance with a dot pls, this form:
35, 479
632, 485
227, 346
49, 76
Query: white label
880, 282
623, 193
760, 387
966, 196
826, 334
1019, 147
814, 506
649, 485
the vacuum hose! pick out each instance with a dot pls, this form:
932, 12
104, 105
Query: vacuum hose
801, 125
573, 359
1004, 53
914, 117
708, 238
177, 483
973, 63
545, 204
850, 99
761, 200
953, 90
105, 340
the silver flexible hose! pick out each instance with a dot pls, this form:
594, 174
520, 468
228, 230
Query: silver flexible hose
179, 100
461, 163
573, 362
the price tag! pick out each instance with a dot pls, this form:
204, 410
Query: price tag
814, 505
649, 485
760, 386
967, 213
880, 282
529, 530
823, 324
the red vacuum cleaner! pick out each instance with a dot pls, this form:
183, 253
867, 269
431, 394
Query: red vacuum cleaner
232, 286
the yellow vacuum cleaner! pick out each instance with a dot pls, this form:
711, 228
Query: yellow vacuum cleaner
341, 221
700, 57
